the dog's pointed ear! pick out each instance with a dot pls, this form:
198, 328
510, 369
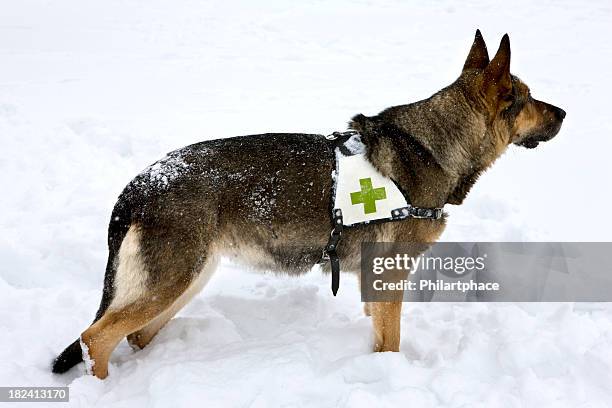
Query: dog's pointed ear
497, 78
478, 58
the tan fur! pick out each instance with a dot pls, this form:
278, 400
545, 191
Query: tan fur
102, 337
526, 120
386, 320
139, 339
131, 277
144, 316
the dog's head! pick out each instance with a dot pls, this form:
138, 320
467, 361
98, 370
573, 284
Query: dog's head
512, 114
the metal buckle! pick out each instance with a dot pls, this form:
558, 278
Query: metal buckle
336, 135
417, 213
334, 235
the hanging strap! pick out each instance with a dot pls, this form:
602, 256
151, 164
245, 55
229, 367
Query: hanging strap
330, 252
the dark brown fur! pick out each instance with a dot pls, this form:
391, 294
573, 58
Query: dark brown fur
265, 199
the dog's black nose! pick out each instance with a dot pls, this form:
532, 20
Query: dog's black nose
560, 113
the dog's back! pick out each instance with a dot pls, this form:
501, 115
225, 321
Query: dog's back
246, 194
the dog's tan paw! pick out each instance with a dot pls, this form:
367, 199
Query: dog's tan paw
380, 345
381, 348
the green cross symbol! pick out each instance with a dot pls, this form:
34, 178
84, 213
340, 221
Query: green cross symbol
368, 195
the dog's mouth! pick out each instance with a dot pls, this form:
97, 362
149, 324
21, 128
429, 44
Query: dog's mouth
529, 143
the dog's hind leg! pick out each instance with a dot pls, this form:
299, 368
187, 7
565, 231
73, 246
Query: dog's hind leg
101, 338
140, 338
156, 266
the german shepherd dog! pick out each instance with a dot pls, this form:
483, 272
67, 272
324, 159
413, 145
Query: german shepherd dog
265, 199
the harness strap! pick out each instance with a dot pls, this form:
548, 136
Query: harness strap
330, 254
341, 137
417, 212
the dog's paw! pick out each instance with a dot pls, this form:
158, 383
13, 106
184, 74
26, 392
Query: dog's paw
380, 345
381, 348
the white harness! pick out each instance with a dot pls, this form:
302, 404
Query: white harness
361, 195
361, 192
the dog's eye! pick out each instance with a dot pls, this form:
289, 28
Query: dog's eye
508, 98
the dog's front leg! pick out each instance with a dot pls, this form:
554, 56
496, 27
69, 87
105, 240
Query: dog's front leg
386, 319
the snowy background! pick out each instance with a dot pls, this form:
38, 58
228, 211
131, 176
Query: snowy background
93, 92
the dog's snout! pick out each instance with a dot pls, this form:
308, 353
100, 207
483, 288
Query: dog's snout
560, 113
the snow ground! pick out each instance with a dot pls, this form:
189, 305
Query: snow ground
91, 93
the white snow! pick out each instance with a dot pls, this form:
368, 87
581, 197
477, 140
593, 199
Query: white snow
88, 362
91, 93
